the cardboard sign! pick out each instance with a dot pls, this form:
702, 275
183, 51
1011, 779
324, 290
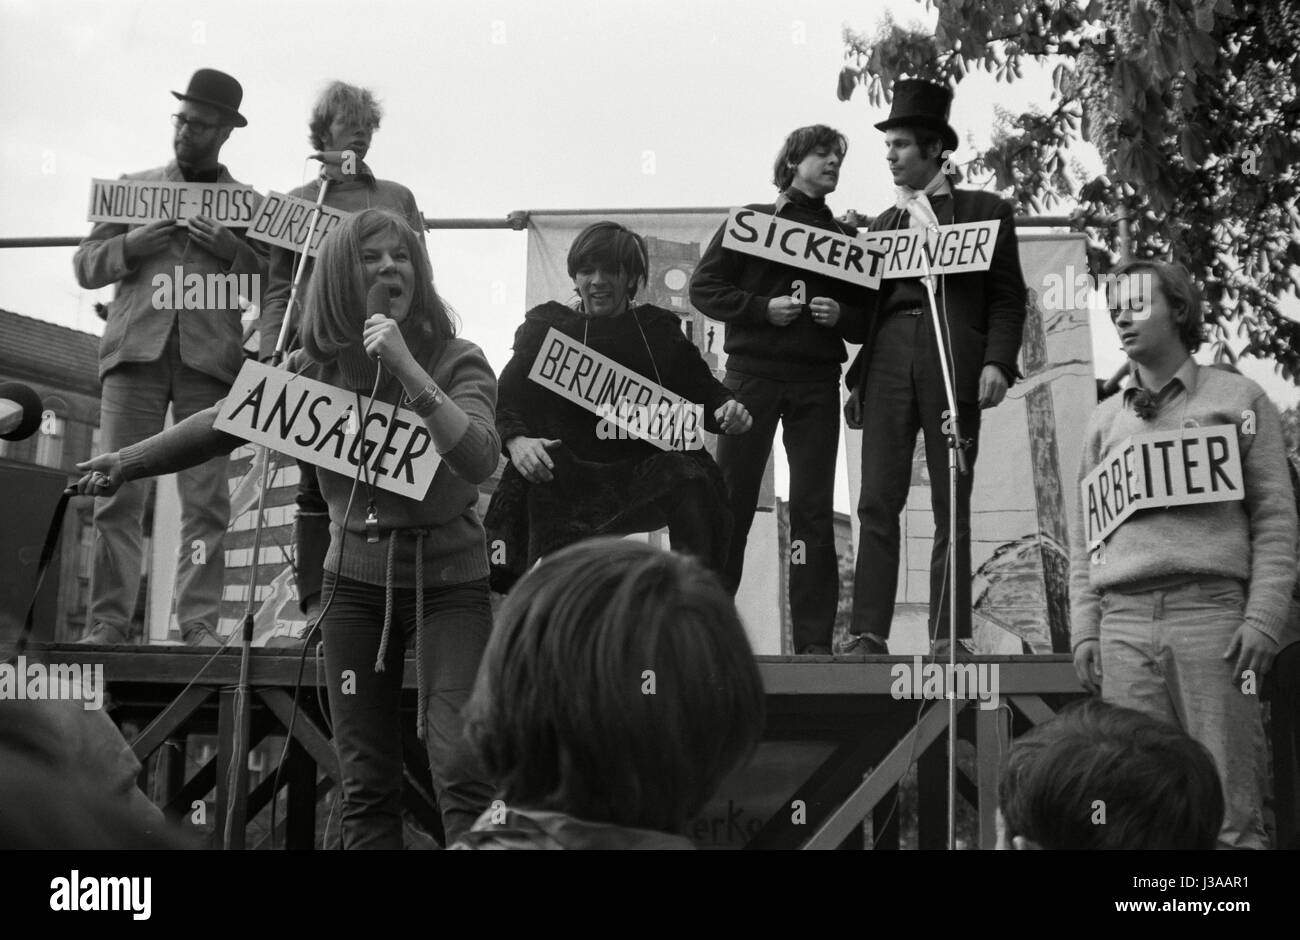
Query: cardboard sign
808, 247
135, 202
954, 249
616, 394
322, 425
1164, 468
283, 220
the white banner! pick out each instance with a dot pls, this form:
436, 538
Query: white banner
1182, 467
135, 202
807, 247
322, 425
954, 249
283, 220
616, 394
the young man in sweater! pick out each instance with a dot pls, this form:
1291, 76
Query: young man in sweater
343, 121
785, 332
1177, 611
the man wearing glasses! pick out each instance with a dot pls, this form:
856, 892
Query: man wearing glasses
153, 355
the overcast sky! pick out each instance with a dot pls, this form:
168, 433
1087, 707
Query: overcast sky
490, 107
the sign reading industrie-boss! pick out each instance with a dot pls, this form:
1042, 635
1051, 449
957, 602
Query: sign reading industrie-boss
1183, 467
136, 202
865, 259
322, 425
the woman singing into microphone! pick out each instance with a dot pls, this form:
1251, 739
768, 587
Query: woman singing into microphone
427, 573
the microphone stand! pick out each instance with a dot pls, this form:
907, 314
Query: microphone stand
242, 719
956, 465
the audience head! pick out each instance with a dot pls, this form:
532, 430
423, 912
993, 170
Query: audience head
618, 686
1103, 777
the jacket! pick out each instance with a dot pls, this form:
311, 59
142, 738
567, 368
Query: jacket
211, 340
986, 309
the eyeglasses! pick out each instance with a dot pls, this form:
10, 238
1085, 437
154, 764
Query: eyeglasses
180, 122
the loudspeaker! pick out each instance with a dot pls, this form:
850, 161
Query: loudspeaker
28, 497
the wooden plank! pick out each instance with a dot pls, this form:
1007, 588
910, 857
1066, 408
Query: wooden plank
232, 769
305, 730
990, 754
196, 788
1033, 708
868, 793
169, 720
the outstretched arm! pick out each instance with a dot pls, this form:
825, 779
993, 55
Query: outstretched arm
187, 444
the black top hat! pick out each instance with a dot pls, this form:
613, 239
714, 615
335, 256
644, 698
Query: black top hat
208, 86
924, 104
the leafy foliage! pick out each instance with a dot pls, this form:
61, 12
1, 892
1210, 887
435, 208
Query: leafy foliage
1192, 106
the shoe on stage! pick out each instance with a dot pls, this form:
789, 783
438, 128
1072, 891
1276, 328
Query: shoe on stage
107, 634
861, 644
202, 635
965, 648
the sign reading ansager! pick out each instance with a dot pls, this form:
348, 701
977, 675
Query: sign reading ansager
135, 202
616, 394
954, 249
321, 425
283, 220
1163, 468
833, 254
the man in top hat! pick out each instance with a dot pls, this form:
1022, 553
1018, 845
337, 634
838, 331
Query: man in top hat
896, 383
153, 355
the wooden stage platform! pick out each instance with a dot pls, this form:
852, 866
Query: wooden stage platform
870, 740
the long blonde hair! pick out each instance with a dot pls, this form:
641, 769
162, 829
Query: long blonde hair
334, 312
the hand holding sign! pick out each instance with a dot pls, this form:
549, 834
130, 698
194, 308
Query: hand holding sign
148, 240
214, 238
825, 311
734, 418
782, 311
530, 457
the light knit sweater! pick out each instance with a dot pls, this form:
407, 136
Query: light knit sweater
454, 545
1251, 540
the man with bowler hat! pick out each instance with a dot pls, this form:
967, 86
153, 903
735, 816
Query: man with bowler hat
896, 383
153, 355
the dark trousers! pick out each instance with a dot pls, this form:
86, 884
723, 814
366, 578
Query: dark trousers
367, 728
809, 413
904, 394
311, 536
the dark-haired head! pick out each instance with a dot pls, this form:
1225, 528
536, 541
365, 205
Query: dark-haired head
1103, 777
799, 144
618, 686
610, 247
335, 310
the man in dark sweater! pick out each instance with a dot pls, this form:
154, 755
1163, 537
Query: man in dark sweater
896, 382
785, 332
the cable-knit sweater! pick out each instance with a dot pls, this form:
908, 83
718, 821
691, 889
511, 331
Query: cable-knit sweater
1252, 540
455, 550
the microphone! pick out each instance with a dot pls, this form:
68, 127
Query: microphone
379, 302
20, 411
332, 157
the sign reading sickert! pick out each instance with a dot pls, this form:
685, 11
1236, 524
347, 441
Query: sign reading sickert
1164, 468
283, 220
616, 394
954, 249
135, 202
833, 254
322, 425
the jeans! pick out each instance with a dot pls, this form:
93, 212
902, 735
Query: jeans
365, 710
133, 406
904, 394
1162, 654
809, 413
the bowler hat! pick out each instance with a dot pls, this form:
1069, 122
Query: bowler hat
922, 104
208, 86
